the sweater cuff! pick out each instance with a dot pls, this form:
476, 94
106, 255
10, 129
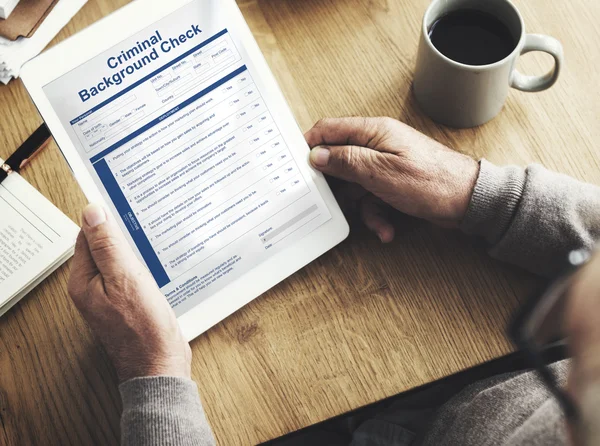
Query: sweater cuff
163, 410
495, 199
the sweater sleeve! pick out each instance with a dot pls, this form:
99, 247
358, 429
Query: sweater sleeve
533, 217
165, 411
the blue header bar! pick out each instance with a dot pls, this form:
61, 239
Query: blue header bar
167, 114
144, 79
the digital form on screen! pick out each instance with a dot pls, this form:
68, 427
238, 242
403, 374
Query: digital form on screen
179, 136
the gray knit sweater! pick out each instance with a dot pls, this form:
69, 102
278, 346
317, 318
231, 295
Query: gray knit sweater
531, 218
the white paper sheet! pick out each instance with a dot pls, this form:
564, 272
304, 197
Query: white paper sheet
7, 7
13, 54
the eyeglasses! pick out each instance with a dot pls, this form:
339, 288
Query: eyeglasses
539, 324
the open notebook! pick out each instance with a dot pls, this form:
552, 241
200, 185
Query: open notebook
35, 239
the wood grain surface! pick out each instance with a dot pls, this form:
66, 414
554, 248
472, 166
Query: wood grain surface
364, 321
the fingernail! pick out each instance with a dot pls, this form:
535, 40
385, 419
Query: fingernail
319, 156
94, 215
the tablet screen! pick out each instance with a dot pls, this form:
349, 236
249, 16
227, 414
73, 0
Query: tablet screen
179, 132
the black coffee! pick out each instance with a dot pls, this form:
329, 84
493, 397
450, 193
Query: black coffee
472, 37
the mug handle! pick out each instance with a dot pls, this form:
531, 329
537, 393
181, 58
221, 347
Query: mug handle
547, 44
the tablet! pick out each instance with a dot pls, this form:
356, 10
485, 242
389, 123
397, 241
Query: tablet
169, 115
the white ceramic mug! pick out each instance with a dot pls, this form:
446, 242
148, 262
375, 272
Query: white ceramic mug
460, 95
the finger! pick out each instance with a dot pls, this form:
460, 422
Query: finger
374, 217
83, 268
364, 132
351, 163
107, 246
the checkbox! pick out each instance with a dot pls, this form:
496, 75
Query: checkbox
257, 155
251, 141
237, 116
245, 129
278, 193
271, 180
231, 103
265, 168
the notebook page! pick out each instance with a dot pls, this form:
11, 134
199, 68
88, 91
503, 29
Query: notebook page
34, 235
25, 291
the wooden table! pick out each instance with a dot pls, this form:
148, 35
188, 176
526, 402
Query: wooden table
364, 321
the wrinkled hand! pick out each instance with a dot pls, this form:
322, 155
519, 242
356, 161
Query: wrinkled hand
394, 163
120, 301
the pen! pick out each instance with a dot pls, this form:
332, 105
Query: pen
25, 152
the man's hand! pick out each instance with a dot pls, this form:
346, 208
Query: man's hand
398, 165
120, 301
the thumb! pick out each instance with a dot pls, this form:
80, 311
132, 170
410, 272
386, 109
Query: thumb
350, 163
106, 243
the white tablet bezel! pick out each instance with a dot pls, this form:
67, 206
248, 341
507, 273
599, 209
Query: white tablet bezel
115, 28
